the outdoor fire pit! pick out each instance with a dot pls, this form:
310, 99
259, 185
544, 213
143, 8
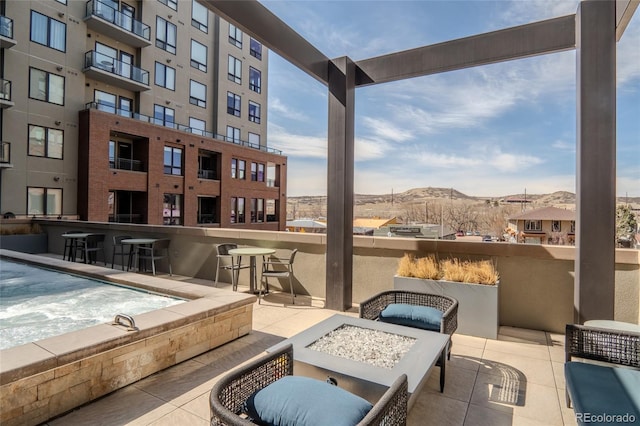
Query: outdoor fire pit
365, 356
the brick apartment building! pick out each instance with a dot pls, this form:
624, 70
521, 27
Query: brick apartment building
148, 111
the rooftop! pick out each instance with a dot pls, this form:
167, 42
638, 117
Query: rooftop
516, 379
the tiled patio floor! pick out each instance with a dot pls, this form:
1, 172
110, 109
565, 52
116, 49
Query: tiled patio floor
515, 380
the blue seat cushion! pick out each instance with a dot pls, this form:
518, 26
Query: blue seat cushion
302, 401
424, 317
602, 390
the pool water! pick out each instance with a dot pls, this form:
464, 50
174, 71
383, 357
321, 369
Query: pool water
37, 303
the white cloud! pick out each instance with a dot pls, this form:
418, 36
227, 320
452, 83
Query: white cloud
386, 130
278, 107
293, 145
564, 145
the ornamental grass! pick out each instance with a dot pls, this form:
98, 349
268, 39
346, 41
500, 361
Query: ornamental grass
457, 270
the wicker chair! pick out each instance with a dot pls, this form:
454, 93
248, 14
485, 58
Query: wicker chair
231, 391
371, 308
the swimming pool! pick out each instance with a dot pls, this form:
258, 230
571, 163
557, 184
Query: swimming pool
36, 303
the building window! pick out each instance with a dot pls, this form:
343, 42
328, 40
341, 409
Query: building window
44, 201
163, 116
198, 56
199, 16
165, 76
234, 168
125, 106
272, 175
233, 104
237, 210
48, 31
533, 225
166, 35
171, 209
572, 228
238, 168
255, 80
257, 210
242, 169
260, 172
254, 112
235, 36
197, 126
105, 101
556, 226
255, 49
197, 94
254, 139
173, 4
272, 207
207, 210
121, 156
235, 70
46, 87
172, 161
207, 165
233, 134
45, 142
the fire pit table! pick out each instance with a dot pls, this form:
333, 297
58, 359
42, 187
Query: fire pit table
365, 356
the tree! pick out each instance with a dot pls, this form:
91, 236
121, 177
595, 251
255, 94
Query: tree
626, 225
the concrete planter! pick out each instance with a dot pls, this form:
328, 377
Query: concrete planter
478, 313
25, 243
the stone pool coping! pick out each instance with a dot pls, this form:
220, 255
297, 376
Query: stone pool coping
203, 302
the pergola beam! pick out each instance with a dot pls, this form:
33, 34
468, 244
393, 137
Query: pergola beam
624, 11
552, 35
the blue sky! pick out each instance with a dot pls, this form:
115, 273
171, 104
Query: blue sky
485, 131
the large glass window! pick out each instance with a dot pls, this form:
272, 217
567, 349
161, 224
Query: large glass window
199, 16
46, 87
166, 35
257, 172
172, 161
254, 112
237, 210
44, 201
272, 207
235, 69
48, 31
197, 94
238, 168
171, 209
233, 134
257, 210
165, 76
242, 169
207, 165
173, 4
106, 101
255, 80
198, 56
197, 126
45, 142
255, 49
254, 139
235, 36
233, 104
164, 116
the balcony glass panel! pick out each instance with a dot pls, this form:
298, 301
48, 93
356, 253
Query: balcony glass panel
114, 66
5, 90
104, 11
6, 27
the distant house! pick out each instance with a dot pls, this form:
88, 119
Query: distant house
548, 225
306, 225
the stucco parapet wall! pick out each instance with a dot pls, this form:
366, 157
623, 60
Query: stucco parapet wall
202, 302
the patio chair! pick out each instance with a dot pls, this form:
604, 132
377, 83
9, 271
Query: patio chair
90, 247
407, 308
157, 250
225, 261
278, 268
70, 246
119, 249
266, 387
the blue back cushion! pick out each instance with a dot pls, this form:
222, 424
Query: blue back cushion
302, 401
600, 389
424, 317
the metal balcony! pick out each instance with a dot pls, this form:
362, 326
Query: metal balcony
111, 71
6, 33
5, 94
104, 19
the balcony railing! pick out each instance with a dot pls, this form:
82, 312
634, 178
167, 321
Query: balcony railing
5, 152
126, 164
130, 26
6, 32
113, 67
177, 126
5, 93
206, 174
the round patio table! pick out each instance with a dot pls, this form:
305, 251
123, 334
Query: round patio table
252, 252
135, 243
